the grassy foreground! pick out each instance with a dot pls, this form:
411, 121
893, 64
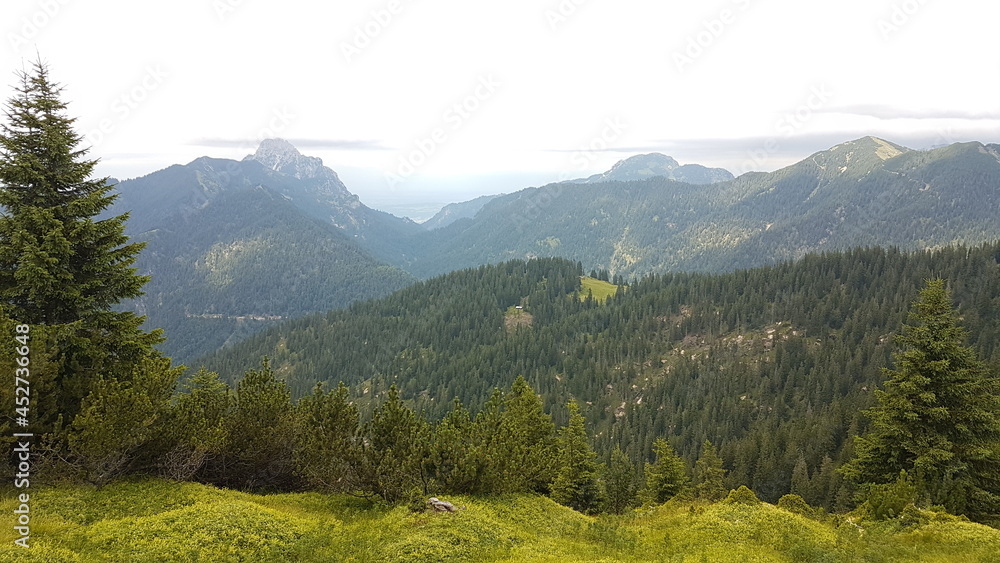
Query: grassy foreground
155, 520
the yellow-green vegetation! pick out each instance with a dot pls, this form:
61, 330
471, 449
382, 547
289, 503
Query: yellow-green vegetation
600, 289
154, 520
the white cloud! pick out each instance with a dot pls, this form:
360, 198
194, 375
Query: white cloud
230, 67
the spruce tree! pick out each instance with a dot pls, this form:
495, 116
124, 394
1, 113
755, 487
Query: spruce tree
709, 474
60, 264
938, 416
619, 483
801, 484
666, 476
575, 484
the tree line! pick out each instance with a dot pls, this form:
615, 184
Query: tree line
773, 365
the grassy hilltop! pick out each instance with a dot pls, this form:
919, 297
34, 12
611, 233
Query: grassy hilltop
154, 520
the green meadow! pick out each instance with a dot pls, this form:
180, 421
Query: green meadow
156, 520
600, 289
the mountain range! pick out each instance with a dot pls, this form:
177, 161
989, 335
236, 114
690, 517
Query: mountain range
234, 246
860, 193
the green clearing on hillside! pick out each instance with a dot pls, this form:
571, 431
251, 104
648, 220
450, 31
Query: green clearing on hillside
156, 520
599, 288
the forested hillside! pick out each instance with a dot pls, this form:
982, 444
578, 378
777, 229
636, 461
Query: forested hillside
772, 364
246, 261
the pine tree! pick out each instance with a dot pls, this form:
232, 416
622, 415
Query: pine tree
196, 428
666, 476
522, 458
397, 444
454, 458
326, 449
619, 483
60, 265
119, 418
575, 484
938, 417
484, 443
259, 432
709, 474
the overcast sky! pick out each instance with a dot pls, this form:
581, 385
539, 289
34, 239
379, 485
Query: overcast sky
441, 100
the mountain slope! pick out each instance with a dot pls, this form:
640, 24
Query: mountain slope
455, 211
864, 192
772, 364
318, 191
235, 246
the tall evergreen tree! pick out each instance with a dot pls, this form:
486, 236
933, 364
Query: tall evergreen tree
575, 484
709, 474
801, 484
59, 264
938, 417
666, 476
619, 483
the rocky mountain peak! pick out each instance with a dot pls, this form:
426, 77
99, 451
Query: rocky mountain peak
857, 157
281, 156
